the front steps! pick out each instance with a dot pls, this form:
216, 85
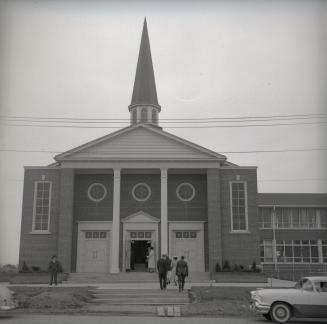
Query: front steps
128, 277
145, 297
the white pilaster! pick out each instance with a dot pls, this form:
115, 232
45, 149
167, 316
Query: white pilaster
114, 268
164, 217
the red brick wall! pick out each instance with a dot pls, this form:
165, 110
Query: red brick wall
240, 248
36, 249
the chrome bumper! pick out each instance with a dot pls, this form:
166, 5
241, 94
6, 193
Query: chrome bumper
258, 308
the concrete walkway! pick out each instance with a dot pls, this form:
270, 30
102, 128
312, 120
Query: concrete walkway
276, 283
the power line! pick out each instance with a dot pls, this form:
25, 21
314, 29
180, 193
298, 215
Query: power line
222, 152
168, 127
290, 116
162, 121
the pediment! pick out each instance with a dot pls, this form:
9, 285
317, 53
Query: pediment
140, 217
141, 142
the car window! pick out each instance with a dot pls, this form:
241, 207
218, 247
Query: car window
307, 285
323, 286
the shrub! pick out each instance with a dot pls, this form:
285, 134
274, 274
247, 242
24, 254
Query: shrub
25, 267
36, 269
218, 267
236, 268
226, 266
254, 266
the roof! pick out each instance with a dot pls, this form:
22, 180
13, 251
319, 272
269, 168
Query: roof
141, 142
292, 199
144, 91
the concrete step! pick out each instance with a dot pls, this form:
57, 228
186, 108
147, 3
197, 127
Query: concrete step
139, 296
129, 277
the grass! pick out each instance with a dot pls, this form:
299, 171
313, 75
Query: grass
6, 276
231, 301
53, 299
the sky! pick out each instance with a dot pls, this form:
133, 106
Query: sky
212, 59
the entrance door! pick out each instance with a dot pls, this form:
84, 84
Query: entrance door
95, 251
139, 249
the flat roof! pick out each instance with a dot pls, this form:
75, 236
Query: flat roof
292, 199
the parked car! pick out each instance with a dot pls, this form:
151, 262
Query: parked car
307, 299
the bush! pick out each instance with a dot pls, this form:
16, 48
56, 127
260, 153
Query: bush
8, 268
218, 267
25, 267
236, 268
36, 269
226, 266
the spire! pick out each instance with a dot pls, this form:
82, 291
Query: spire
144, 92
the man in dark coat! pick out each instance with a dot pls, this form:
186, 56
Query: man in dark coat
162, 271
54, 268
181, 272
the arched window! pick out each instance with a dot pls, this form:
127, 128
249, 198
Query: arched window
154, 116
134, 116
144, 115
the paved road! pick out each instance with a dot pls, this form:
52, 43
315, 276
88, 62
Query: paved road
78, 319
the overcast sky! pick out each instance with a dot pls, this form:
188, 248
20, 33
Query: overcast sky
77, 59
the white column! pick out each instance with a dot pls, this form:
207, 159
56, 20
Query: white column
164, 217
114, 268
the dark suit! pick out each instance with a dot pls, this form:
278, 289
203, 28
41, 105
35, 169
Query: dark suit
54, 268
181, 272
162, 270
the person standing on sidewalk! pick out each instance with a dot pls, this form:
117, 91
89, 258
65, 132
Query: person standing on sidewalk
181, 272
54, 268
162, 271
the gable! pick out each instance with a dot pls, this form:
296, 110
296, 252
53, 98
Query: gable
140, 217
140, 143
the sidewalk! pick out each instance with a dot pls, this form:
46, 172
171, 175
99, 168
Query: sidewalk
275, 283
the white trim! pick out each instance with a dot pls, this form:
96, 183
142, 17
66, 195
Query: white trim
47, 231
178, 194
93, 185
130, 225
211, 154
246, 230
40, 232
141, 184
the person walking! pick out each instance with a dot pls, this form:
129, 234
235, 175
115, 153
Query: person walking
168, 266
151, 261
162, 271
54, 268
173, 271
181, 272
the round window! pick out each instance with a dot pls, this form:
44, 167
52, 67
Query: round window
141, 192
185, 191
97, 192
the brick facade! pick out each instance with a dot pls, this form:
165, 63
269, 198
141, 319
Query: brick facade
36, 249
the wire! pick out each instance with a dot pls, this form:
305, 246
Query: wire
294, 116
168, 127
225, 152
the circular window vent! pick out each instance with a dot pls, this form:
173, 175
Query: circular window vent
141, 192
97, 192
185, 191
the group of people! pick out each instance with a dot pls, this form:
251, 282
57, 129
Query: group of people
169, 270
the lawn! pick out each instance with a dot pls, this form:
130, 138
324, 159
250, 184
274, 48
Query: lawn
52, 299
218, 301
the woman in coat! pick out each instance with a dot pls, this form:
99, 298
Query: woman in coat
151, 261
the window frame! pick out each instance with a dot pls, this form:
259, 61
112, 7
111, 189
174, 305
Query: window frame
246, 230
45, 231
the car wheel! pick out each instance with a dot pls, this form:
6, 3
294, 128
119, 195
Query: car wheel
280, 313
267, 317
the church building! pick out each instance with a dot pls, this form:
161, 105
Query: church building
102, 205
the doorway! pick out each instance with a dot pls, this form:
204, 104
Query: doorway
139, 251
